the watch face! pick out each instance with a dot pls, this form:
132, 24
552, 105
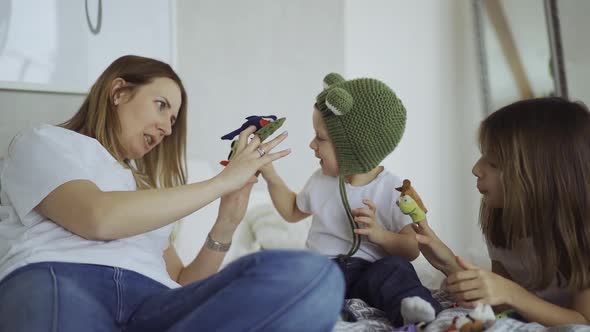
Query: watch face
216, 246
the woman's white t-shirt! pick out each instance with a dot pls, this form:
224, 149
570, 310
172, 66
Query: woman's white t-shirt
39, 160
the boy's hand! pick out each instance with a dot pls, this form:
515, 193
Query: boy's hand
369, 226
268, 171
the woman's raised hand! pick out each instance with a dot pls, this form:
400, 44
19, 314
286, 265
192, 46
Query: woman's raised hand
249, 156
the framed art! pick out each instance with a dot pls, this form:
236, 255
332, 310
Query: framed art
63, 45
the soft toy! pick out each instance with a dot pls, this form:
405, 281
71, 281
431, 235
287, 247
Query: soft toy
477, 320
266, 125
410, 202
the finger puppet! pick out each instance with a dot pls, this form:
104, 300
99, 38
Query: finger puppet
410, 202
265, 125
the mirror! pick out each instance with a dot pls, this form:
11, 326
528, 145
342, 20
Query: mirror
518, 53
574, 27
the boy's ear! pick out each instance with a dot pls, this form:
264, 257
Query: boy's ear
339, 101
331, 79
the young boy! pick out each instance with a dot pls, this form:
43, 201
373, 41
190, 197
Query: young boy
358, 123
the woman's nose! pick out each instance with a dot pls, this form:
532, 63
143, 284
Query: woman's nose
166, 128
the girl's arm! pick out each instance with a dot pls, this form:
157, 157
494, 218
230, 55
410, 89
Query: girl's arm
535, 309
284, 200
474, 285
438, 254
499, 269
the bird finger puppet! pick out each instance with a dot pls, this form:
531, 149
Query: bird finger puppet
265, 125
410, 202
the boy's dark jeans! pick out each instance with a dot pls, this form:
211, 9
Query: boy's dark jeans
383, 284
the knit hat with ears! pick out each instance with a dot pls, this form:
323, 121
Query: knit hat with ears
365, 120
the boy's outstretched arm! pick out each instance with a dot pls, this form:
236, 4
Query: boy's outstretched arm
283, 199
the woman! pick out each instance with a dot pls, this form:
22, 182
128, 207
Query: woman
90, 204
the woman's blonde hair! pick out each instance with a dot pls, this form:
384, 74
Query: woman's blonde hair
542, 147
165, 165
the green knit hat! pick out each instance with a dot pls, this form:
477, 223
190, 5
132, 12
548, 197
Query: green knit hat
365, 120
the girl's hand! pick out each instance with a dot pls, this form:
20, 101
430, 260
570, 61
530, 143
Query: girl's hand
434, 250
475, 286
369, 227
249, 158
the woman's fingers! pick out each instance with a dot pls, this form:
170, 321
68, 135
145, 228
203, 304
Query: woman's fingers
253, 144
268, 146
243, 138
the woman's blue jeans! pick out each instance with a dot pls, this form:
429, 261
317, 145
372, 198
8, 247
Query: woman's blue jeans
275, 290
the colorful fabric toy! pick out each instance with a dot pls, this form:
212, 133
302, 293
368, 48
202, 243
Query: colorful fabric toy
266, 125
410, 202
477, 320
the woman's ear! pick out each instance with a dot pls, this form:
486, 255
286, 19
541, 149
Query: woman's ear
117, 92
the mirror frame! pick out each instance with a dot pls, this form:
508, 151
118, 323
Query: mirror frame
555, 46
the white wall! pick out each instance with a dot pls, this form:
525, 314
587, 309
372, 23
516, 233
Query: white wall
425, 51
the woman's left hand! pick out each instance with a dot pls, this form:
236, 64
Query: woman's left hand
475, 285
232, 210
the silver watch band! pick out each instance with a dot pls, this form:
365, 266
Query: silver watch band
215, 245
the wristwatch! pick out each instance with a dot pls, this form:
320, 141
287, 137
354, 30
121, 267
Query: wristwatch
215, 245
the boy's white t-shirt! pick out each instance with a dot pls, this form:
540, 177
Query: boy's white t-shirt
519, 263
39, 160
330, 233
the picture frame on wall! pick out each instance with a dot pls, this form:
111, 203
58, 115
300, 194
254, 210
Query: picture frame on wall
63, 45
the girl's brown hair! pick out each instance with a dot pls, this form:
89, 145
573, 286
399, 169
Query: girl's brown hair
542, 147
165, 165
